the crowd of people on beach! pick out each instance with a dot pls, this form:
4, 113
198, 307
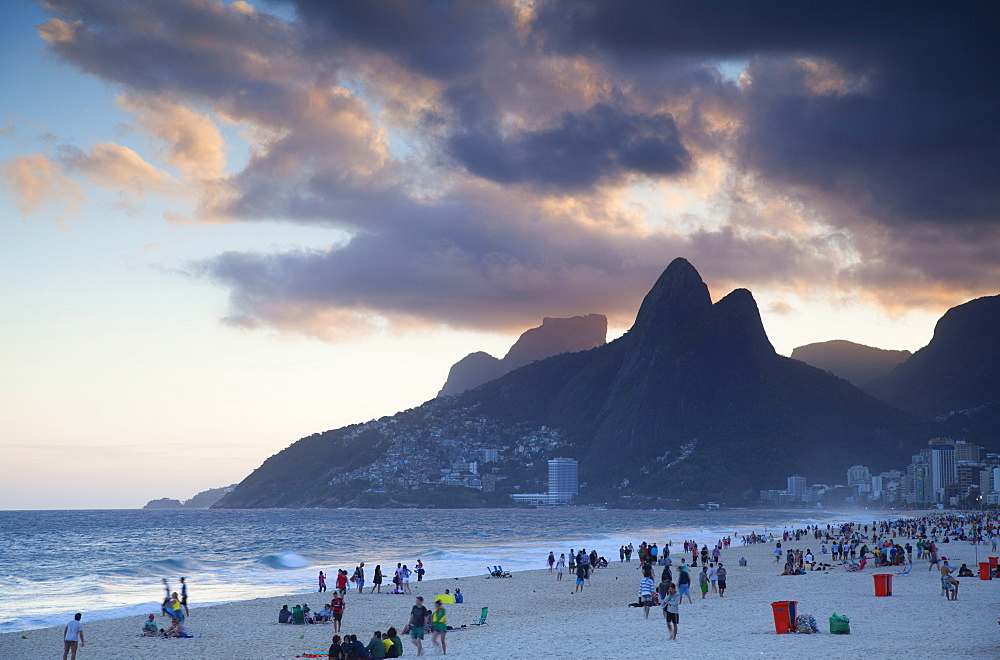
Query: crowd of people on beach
388, 644
669, 594
891, 543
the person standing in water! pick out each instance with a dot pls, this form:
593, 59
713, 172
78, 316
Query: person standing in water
322, 582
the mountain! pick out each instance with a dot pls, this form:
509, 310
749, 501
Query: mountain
203, 500
856, 363
957, 375
691, 404
472, 371
553, 337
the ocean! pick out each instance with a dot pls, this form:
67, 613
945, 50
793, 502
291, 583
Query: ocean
111, 563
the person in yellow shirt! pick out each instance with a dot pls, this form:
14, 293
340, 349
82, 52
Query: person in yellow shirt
439, 626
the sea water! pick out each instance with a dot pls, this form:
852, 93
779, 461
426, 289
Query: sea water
111, 563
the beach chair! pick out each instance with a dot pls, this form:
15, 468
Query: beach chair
504, 573
906, 569
481, 621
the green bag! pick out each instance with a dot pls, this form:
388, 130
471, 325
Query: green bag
839, 625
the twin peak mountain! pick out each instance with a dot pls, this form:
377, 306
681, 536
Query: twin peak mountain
691, 404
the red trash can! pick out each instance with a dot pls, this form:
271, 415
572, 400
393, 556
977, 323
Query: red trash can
784, 616
984, 570
993, 563
883, 584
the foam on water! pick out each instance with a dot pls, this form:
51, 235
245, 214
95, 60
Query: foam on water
284, 561
238, 555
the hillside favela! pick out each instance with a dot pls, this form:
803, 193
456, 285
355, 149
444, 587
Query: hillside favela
499, 330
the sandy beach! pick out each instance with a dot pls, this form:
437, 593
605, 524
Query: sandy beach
532, 615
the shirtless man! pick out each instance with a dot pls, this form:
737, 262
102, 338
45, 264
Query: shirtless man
948, 583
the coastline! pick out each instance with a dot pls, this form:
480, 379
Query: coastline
532, 615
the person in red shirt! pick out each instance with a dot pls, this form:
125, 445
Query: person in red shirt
337, 606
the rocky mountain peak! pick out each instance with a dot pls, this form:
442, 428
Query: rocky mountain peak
678, 296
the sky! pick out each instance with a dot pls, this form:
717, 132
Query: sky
229, 225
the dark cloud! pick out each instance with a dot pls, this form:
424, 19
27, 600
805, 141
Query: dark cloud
481, 159
580, 151
438, 39
910, 134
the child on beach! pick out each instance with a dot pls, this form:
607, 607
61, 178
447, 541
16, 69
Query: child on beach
671, 611
703, 581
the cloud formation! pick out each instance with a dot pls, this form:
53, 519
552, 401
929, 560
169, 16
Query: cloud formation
494, 162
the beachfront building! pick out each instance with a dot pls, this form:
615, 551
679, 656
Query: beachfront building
564, 481
943, 468
858, 475
563, 484
797, 487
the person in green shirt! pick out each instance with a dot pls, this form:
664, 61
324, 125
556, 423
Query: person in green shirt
439, 626
375, 648
396, 649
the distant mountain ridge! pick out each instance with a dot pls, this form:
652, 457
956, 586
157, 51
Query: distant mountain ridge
554, 336
857, 363
957, 375
691, 404
203, 500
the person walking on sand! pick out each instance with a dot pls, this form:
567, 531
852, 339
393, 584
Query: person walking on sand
184, 596
551, 561
646, 590
418, 617
377, 579
671, 611
703, 581
405, 575
721, 573
684, 583
165, 608
948, 583
419, 568
581, 575
337, 606
322, 582
73, 636
560, 566
439, 623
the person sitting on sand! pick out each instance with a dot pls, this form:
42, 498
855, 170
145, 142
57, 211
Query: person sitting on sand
323, 615
459, 598
395, 649
176, 629
307, 614
336, 651
964, 571
149, 628
376, 648
284, 615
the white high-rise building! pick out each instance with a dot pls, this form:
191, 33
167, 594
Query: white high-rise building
563, 479
796, 486
943, 466
858, 475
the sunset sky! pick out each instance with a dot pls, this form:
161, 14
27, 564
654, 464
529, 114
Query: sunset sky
227, 225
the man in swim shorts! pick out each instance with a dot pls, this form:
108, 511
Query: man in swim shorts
73, 636
418, 617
